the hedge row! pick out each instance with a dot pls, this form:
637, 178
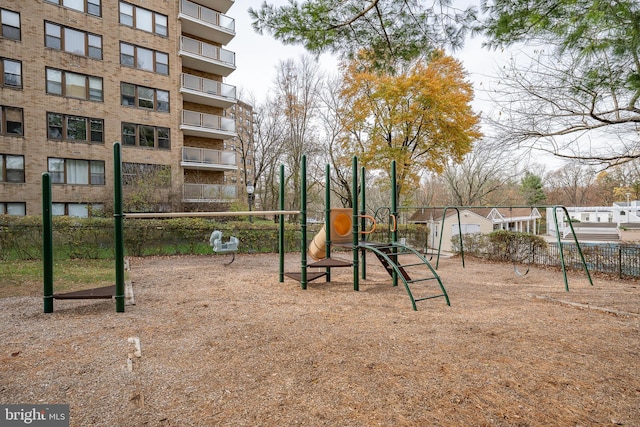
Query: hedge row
21, 237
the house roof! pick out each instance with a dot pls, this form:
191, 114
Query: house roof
495, 214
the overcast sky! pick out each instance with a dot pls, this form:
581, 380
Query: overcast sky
258, 56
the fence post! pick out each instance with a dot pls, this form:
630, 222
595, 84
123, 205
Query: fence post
619, 262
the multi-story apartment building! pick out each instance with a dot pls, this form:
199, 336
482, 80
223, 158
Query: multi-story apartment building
78, 75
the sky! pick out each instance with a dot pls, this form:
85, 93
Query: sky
258, 57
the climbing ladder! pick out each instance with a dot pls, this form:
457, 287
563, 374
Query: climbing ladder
409, 265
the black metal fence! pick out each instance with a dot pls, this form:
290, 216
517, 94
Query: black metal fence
622, 260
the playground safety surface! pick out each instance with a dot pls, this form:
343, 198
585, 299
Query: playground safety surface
231, 346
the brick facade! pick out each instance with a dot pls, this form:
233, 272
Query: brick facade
35, 144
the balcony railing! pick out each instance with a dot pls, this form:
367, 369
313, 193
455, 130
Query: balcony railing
219, 5
206, 57
207, 125
209, 192
206, 22
206, 91
204, 158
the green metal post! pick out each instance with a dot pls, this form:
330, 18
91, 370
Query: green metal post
303, 223
394, 212
118, 226
363, 224
47, 242
281, 226
354, 199
327, 218
575, 239
444, 215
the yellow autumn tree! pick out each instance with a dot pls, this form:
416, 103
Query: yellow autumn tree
418, 115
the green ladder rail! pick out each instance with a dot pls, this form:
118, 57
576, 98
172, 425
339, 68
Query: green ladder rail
388, 254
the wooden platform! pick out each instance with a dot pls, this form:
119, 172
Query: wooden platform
330, 263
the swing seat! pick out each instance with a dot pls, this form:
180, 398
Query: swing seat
518, 272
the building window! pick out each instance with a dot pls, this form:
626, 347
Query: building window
11, 73
91, 7
10, 24
74, 128
144, 59
17, 209
11, 168
72, 41
75, 171
133, 173
73, 85
144, 97
80, 210
143, 19
146, 136
12, 121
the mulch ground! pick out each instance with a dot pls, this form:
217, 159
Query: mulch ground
231, 345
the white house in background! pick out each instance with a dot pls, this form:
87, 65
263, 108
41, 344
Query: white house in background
595, 222
523, 220
483, 220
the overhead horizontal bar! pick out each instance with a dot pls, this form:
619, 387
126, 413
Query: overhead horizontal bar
193, 214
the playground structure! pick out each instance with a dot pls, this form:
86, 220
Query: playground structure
116, 291
399, 260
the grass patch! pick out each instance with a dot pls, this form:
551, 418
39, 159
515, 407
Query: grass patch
25, 278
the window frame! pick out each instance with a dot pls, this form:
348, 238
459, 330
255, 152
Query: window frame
156, 26
132, 172
159, 143
3, 25
61, 176
157, 64
61, 39
65, 206
4, 121
3, 73
133, 101
88, 6
64, 87
5, 208
5, 170
63, 127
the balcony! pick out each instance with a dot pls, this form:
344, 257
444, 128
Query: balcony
206, 23
206, 57
210, 160
209, 193
206, 91
219, 5
207, 125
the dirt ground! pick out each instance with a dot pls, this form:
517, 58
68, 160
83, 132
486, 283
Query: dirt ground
231, 346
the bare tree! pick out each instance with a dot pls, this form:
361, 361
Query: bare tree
481, 175
570, 185
268, 137
334, 131
545, 103
297, 90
